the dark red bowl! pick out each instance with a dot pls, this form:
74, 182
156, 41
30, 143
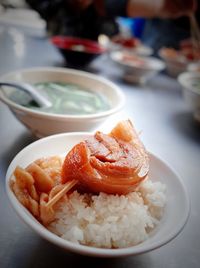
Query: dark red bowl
77, 51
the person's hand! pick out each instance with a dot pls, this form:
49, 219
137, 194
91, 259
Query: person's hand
160, 8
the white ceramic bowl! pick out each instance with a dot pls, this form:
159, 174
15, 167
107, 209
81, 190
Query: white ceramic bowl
194, 67
140, 50
43, 124
131, 44
174, 218
190, 93
175, 66
143, 50
133, 71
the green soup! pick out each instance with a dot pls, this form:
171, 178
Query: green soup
196, 85
65, 98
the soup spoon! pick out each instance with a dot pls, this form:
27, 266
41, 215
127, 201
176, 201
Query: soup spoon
41, 100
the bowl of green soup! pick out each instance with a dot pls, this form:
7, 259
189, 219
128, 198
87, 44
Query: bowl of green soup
80, 101
190, 82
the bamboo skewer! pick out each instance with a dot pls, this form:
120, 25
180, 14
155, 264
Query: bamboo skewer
60, 194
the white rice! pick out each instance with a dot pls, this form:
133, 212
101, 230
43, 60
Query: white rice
110, 221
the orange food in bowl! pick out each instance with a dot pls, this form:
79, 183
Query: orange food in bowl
115, 163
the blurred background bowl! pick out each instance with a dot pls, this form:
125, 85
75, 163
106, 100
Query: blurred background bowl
175, 63
76, 51
131, 44
42, 123
137, 69
190, 83
194, 67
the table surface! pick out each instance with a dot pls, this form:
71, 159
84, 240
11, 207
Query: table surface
168, 130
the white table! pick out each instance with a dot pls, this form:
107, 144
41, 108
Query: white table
168, 130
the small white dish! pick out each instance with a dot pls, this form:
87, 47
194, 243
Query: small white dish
191, 93
42, 123
137, 69
175, 63
194, 67
174, 218
130, 44
143, 50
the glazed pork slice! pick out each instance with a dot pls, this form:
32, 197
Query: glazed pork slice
113, 163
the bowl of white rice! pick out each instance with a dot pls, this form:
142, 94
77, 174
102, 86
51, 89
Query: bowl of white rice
106, 225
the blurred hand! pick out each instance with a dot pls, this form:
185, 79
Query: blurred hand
160, 8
